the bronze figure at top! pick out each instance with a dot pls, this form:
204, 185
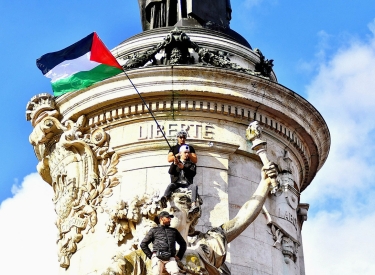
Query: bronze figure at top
164, 13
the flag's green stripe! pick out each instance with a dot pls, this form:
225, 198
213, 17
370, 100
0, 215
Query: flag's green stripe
83, 80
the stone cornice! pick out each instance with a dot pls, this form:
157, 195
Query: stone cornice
178, 91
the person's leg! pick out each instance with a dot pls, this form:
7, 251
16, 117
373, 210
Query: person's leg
194, 192
172, 267
155, 265
170, 188
194, 204
167, 194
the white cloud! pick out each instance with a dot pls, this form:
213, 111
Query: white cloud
333, 245
344, 93
27, 231
337, 238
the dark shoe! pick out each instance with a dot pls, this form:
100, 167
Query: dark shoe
163, 202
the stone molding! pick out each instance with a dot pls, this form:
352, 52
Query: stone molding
140, 146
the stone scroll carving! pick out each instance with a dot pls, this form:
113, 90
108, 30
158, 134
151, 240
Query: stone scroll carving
79, 165
177, 48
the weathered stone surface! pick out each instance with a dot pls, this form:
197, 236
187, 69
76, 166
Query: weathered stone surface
259, 254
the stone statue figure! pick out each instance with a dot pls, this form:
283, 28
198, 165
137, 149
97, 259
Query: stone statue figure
158, 13
164, 13
206, 252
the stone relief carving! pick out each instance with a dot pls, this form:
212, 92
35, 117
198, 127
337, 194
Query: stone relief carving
264, 67
79, 165
286, 245
284, 163
177, 48
174, 48
283, 219
131, 220
128, 223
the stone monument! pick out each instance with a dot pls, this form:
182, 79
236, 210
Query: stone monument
106, 159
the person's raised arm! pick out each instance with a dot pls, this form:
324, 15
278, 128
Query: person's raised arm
250, 210
193, 157
170, 157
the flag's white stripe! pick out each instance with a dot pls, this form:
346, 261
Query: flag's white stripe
70, 67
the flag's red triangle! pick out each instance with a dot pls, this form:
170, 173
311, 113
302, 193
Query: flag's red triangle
101, 54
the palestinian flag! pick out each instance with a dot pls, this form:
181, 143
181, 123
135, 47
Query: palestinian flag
79, 66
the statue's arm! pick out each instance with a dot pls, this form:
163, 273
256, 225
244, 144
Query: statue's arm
250, 210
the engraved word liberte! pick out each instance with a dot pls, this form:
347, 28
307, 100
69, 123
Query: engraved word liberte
194, 130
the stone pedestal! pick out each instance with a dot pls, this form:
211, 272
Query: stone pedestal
101, 151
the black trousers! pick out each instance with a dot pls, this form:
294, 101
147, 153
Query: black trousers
173, 186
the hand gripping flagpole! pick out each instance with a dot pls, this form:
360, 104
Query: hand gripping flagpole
253, 133
144, 103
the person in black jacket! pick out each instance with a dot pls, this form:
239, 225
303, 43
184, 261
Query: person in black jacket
164, 238
182, 173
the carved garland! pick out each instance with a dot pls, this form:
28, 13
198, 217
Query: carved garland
176, 47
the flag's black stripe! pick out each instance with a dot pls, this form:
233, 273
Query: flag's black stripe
48, 61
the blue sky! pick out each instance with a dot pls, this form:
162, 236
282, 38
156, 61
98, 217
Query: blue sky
323, 50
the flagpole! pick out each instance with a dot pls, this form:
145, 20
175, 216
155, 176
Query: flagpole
144, 103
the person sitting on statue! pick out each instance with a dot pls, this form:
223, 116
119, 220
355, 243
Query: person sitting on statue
182, 172
174, 150
164, 238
